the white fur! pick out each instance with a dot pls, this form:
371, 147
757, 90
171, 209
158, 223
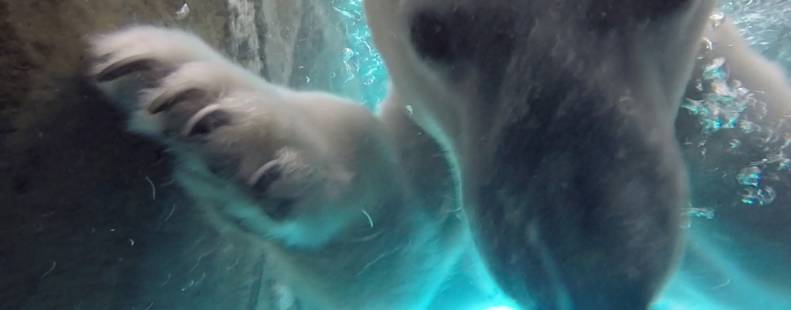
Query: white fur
377, 220
363, 237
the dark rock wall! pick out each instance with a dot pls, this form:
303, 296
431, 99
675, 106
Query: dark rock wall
77, 221
89, 217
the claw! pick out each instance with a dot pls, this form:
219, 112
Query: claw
207, 119
265, 176
277, 208
103, 58
168, 99
125, 67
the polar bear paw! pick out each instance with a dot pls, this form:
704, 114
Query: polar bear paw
254, 150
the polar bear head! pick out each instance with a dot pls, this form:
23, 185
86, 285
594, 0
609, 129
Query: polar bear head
558, 115
445, 54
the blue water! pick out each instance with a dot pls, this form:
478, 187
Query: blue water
362, 61
766, 26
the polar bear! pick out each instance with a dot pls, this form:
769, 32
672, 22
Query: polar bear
533, 139
339, 198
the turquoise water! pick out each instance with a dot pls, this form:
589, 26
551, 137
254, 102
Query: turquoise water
361, 60
92, 218
766, 26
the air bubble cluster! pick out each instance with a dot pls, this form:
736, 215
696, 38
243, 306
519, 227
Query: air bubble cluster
723, 103
362, 62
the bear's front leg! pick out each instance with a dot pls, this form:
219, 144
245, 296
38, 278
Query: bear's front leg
294, 166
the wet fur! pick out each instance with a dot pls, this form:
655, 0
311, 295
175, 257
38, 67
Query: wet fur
541, 139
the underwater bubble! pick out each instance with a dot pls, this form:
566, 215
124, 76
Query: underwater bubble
734, 144
362, 62
721, 91
750, 176
748, 126
183, 12
774, 158
370, 80
759, 196
693, 106
749, 197
715, 70
725, 101
706, 213
347, 54
767, 195
786, 141
707, 44
784, 165
717, 18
